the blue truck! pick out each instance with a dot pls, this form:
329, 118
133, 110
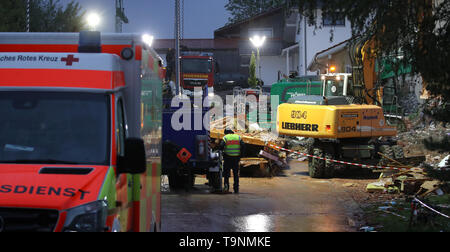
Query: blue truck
186, 148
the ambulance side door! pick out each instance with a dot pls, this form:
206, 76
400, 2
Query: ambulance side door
124, 184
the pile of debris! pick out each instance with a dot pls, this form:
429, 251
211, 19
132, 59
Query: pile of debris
423, 136
409, 103
412, 182
410, 189
260, 155
299, 144
424, 133
427, 180
416, 138
421, 133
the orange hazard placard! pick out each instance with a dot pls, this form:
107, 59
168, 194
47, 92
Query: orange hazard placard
184, 155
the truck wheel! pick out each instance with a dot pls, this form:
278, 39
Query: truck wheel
214, 181
316, 166
175, 181
189, 181
329, 166
387, 151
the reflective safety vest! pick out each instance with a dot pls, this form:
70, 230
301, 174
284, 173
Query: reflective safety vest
232, 145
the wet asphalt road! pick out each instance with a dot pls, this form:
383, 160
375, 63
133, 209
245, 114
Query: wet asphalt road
290, 202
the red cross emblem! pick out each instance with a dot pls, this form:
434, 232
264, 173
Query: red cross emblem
70, 59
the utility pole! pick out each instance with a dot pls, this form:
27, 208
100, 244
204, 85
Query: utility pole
259, 63
120, 16
28, 15
177, 48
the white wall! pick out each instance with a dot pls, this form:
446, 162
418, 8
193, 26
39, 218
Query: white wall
270, 65
318, 40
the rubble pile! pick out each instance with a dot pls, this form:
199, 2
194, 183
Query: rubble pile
259, 153
299, 144
412, 182
409, 103
421, 135
427, 181
421, 132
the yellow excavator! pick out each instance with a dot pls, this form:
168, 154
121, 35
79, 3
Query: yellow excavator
338, 128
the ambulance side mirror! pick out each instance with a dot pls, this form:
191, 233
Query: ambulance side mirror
134, 161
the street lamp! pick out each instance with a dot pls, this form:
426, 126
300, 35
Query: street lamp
93, 20
147, 39
258, 42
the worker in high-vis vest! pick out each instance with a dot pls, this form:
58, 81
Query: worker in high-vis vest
233, 148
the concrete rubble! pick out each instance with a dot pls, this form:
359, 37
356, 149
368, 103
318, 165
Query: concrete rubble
422, 136
259, 154
416, 137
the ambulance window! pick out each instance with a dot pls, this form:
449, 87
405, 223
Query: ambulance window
120, 129
54, 128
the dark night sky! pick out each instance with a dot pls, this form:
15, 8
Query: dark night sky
157, 17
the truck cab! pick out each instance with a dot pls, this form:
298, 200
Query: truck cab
197, 71
72, 151
186, 119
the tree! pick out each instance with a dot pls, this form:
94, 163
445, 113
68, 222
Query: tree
252, 80
45, 16
243, 9
12, 15
415, 32
419, 29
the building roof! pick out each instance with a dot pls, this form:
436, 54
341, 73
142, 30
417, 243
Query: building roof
247, 20
212, 44
323, 55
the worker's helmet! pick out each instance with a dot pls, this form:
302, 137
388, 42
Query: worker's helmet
228, 131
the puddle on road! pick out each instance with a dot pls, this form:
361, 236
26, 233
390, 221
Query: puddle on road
253, 223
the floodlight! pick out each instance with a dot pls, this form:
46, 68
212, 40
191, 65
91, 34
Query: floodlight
147, 39
258, 41
93, 20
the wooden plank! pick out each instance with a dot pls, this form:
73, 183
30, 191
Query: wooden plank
390, 159
245, 162
217, 128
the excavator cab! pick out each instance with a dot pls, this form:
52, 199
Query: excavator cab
338, 128
336, 84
